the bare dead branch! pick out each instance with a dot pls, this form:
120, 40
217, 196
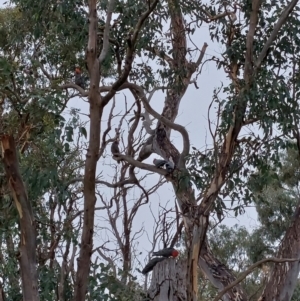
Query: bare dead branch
201, 56
110, 185
177, 127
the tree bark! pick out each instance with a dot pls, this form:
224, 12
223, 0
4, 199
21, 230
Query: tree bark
92, 156
27, 257
168, 281
2, 297
219, 275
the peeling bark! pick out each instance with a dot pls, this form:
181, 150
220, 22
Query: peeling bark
27, 258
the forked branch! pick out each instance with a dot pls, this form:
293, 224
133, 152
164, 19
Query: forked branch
174, 126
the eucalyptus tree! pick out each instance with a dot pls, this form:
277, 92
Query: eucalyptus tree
275, 195
260, 56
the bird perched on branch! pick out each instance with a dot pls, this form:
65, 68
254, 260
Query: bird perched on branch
163, 163
79, 80
146, 150
151, 264
166, 252
115, 150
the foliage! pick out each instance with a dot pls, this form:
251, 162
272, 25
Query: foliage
106, 286
40, 44
275, 202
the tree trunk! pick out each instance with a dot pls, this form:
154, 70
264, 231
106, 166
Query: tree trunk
219, 275
92, 156
168, 281
2, 297
27, 256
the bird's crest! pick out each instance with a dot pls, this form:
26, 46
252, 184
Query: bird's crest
77, 70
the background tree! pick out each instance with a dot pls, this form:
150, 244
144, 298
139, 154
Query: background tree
276, 195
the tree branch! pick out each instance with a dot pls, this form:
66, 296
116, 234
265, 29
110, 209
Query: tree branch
201, 56
129, 54
177, 127
250, 270
160, 54
115, 185
92, 155
74, 86
174, 126
216, 17
147, 121
249, 40
144, 166
110, 8
274, 33
108, 259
